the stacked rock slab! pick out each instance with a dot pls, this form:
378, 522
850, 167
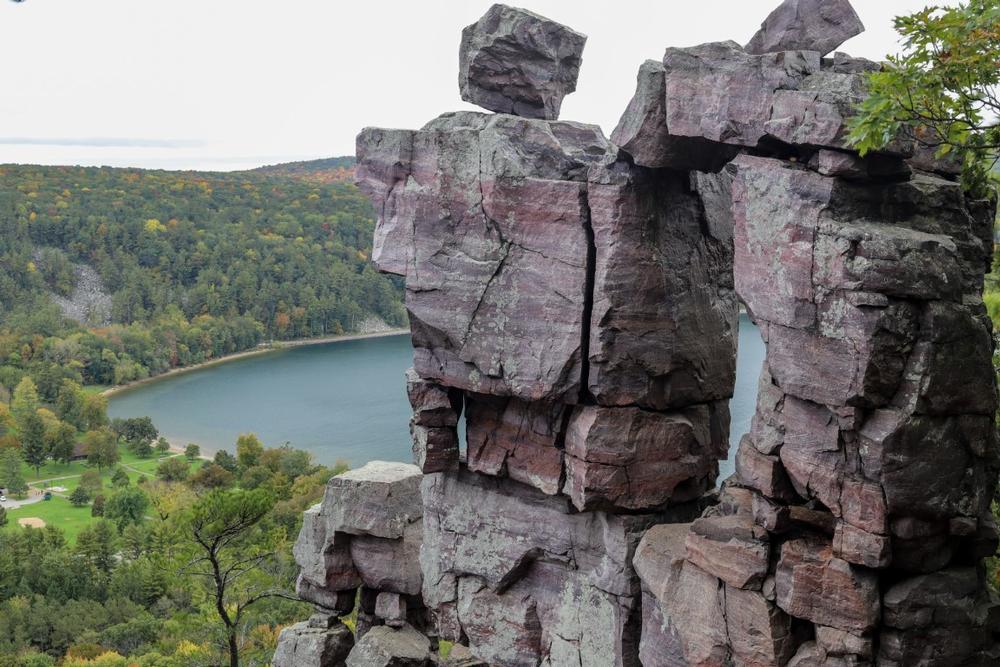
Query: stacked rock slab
573, 299
854, 530
578, 310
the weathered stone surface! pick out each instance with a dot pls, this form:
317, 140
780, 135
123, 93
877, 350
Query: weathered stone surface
391, 607
718, 93
850, 166
811, 25
816, 113
304, 645
379, 499
635, 459
759, 632
512, 438
433, 405
731, 547
813, 584
664, 321
835, 642
762, 473
324, 557
514, 61
642, 131
383, 646
688, 620
861, 547
435, 448
489, 226
390, 565
494, 549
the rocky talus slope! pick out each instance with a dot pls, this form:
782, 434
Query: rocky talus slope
576, 299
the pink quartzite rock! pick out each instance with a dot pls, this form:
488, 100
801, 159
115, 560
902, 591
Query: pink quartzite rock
663, 328
494, 549
719, 93
389, 565
683, 611
642, 131
759, 632
512, 438
635, 459
813, 584
514, 61
812, 25
732, 548
487, 220
324, 558
433, 426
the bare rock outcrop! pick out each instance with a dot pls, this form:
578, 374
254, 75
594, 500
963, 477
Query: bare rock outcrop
573, 301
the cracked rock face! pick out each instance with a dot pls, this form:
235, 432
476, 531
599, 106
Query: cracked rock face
573, 307
517, 62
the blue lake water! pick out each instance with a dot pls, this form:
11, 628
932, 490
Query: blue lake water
340, 401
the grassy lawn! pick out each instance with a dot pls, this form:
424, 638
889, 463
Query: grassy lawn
95, 388
56, 512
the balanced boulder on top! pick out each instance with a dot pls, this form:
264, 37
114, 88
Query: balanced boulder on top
517, 62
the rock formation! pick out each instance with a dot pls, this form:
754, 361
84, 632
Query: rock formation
574, 299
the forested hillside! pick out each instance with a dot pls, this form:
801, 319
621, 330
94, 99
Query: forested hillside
328, 170
197, 265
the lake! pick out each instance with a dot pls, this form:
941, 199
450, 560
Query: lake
340, 401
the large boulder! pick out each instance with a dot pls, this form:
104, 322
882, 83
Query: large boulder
384, 646
379, 499
517, 62
633, 459
810, 25
720, 94
322, 641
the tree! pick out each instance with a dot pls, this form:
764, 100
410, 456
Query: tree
135, 430
212, 476
94, 412
102, 448
942, 90
69, 403
10, 473
225, 460
143, 449
120, 478
248, 450
125, 506
91, 482
192, 451
3, 517
61, 440
33, 449
174, 469
79, 497
162, 446
97, 507
227, 546
24, 402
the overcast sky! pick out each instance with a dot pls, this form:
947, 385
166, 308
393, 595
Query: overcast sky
231, 84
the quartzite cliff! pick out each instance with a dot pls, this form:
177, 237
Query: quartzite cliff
575, 298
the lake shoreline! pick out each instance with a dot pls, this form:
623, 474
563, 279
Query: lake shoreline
258, 351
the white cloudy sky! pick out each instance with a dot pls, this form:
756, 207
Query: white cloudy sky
230, 84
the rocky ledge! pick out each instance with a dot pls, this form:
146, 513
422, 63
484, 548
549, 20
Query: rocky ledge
575, 299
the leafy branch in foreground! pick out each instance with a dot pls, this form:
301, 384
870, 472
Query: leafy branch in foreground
942, 90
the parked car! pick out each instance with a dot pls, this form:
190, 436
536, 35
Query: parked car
3, 498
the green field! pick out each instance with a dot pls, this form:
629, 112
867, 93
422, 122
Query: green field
59, 511
56, 512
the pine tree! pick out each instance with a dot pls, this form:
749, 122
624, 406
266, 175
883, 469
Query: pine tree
33, 446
